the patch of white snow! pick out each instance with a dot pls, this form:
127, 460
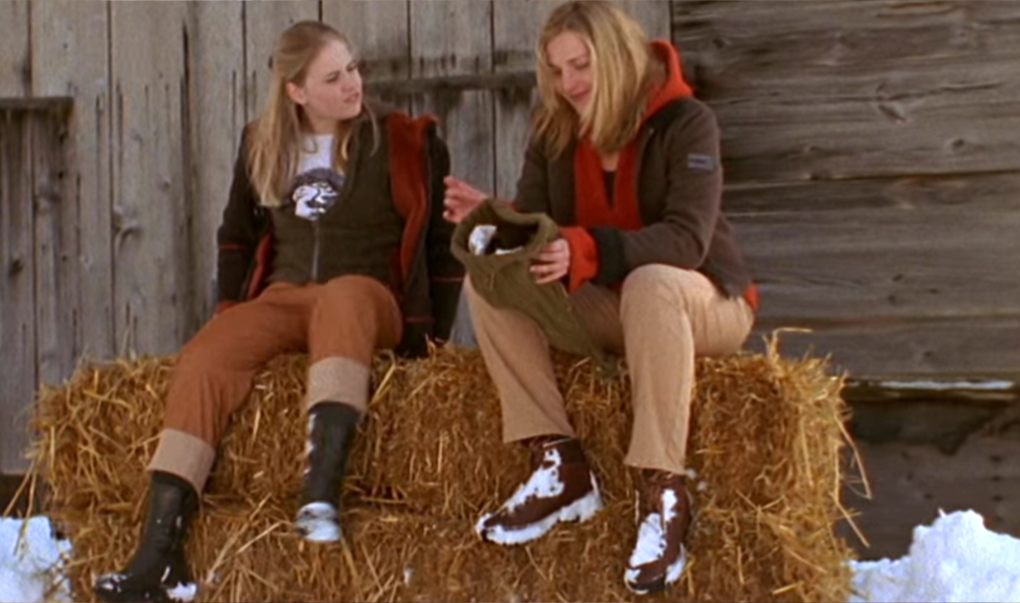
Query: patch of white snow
955, 559
31, 560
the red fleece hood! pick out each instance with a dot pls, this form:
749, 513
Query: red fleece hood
593, 205
675, 86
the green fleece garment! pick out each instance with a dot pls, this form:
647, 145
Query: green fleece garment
505, 281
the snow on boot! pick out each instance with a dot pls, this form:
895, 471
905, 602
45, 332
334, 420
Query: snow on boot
159, 570
561, 488
660, 553
331, 428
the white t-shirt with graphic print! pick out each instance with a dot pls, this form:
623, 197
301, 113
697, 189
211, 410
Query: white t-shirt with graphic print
317, 183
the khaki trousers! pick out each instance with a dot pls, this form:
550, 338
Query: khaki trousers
339, 324
661, 319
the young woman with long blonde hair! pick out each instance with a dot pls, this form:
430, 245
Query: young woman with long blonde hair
332, 243
626, 161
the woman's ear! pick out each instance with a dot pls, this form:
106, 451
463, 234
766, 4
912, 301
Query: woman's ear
296, 93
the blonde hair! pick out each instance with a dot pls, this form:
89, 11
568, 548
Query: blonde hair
621, 59
275, 145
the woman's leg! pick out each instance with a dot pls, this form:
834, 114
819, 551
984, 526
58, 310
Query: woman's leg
214, 372
516, 353
561, 486
669, 316
212, 378
353, 316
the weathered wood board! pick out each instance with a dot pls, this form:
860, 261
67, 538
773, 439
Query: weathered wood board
216, 116
15, 61
872, 173
263, 24
464, 48
17, 286
70, 58
151, 243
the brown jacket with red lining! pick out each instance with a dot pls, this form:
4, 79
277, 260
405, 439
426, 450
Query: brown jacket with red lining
427, 277
667, 200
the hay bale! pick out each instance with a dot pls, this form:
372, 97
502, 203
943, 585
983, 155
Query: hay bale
765, 445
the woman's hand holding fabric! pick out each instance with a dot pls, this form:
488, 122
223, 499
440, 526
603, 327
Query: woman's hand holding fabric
552, 262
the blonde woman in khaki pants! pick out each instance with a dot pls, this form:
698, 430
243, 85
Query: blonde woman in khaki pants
626, 161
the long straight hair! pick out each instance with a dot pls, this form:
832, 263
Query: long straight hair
275, 144
621, 59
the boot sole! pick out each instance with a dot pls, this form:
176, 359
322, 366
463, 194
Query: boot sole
673, 573
184, 592
580, 510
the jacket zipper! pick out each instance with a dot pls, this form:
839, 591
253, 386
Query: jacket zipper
315, 250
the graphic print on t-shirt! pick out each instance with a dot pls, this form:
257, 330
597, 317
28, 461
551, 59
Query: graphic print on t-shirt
315, 192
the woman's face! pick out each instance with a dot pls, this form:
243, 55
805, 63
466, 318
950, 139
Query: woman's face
332, 90
570, 61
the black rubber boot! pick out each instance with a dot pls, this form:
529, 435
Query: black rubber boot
331, 429
159, 570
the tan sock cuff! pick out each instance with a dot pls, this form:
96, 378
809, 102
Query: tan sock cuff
338, 379
184, 455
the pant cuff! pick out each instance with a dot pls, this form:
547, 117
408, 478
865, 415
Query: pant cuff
184, 455
654, 462
338, 379
519, 435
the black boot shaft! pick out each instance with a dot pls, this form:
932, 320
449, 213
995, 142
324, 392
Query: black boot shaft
172, 504
332, 426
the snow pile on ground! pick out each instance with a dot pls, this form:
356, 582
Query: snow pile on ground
30, 561
956, 559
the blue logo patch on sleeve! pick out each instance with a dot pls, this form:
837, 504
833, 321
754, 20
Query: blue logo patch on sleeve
700, 162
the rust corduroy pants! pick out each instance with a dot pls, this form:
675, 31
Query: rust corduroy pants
340, 324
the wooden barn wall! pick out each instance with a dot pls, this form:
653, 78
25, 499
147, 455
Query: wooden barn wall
873, 167
117, 257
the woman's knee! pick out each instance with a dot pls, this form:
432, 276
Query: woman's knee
358, 310
204, 355
354, 294
658, 283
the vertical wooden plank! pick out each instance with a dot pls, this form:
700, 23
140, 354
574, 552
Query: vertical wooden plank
263, 23
70, 52
515, 31
15, 66
454, 38
151, 238
378, 32
217, 110
17, 354
56, 241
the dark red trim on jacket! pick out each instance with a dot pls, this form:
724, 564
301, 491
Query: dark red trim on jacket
263, 260
407, 150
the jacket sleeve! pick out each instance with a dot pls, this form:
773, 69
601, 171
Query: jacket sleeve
238, 234
691, 209
446, 274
